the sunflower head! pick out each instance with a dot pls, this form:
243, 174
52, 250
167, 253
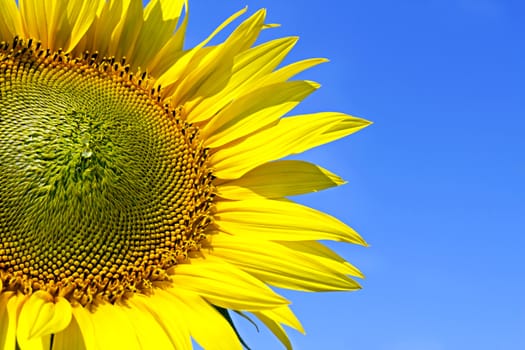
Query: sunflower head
141, 180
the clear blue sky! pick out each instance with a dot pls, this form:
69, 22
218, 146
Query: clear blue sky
436, 185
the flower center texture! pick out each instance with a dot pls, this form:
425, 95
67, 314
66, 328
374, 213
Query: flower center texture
103, 188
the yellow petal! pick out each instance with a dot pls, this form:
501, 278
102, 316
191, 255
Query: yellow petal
289, 178
165, 58
70, 338
160, 19
323, 256
225, 285
124, 35
58, 24
41, 315
276, 329
291, 70
163, 306
175, 74
56, 21
34, 19
248, 67
104, 319
98, 36
84, 320
10, 20
149, 332
281, 221
290, 136
81, 15
285, 316
213, 69
277, 265
209, 328
254, 111
9, 305
273, 320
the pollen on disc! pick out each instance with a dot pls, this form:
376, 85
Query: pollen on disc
103, 188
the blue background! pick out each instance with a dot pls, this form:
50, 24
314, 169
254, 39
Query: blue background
436, 185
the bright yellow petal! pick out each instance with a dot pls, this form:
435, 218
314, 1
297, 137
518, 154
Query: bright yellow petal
125, 34
291, 70
34, 19
70, 338
84, 320
175, 74
225, 285
281, 221
276, 329
10, 20
81, 15
290, 136
169, 53
163, 306
209, 328
273, 320
248, 67
58, 30
285, 316
9, 304
98, 36
160, 19
214, 68
104, 319
288, 178
254, 111
323, 256
41, 315
149, 332
277, 265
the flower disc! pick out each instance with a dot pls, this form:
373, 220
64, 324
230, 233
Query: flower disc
103, 188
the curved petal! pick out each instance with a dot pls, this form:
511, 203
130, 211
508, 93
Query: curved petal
273, 320
163, 306
10, 20
180, 69
254, 111
276, 329
280, 266
149, 332
209, 328
84, 320
160, 19
9, 308
70, 338
323, 256
41, 315
104, 319
98, 36
225, 285
34, 19
170, 51
291, 135
81, 15
281, 221
288, 178
285, 316
248, 67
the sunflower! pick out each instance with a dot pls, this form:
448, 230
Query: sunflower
143, 195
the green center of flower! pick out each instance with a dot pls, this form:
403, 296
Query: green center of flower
102, 188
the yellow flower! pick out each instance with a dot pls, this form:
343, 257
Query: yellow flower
142, 196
